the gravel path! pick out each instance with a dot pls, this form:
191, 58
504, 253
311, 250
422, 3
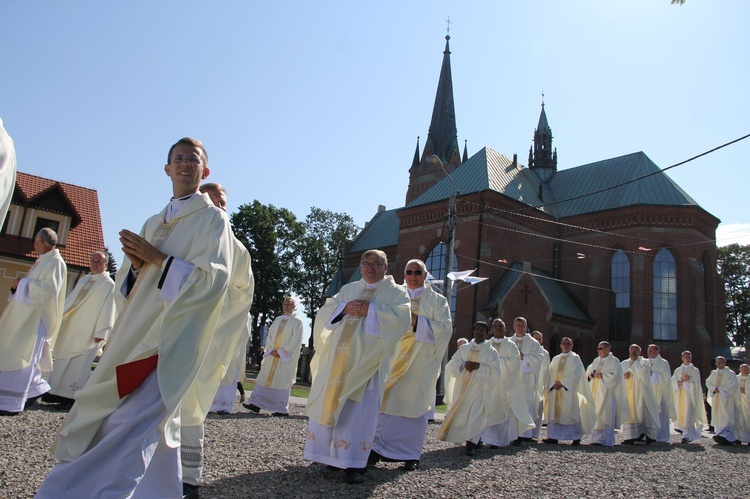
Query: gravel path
250, 455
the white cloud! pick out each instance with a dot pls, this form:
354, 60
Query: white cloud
735, 233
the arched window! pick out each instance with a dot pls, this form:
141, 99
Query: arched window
665, 296
619, 310
435, 263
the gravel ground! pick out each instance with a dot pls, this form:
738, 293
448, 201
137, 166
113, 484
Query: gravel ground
250, 455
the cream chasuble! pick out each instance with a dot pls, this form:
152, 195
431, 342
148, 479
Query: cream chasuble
508, 398
40, 297
178, 327
89, 313
723, 392
573, 403
232, 320
411, 368
7, 171
641, 400
468, 393
661, 384
688, 397
349, 353
285, 336
605, 390
533, 358
743, 411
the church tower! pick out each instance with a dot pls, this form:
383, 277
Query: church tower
542, 158
442, 138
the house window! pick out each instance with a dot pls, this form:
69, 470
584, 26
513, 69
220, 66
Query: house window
619, 310
42, 223
665, 296
435, 263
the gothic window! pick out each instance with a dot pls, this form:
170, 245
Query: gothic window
665, 296
619, 310
435, 263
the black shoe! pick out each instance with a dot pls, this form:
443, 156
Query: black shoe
280, 414
222, 413
471, 449
410, 465
525, 439
56, 399
190, 491
374, 458
553, 441
576, 443
721, 440
494, 447
8, 413
678, 431
684, 441
252, 407
333, 468
596, 444
630, 441
353, 478
641, 437
31, 401
649, 440
517, 442
479, 444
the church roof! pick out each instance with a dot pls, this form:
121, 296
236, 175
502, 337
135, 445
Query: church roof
490, 170
442, 137
380, 232
562, 301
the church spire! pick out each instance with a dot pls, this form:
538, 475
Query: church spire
542, 158
415, 161
442, 139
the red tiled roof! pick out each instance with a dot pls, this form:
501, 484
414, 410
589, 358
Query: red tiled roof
83, 239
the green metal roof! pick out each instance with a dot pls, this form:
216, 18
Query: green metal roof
380, 232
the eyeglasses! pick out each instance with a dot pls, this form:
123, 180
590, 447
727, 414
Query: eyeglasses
602, 348
372, 265
415, 272
566, 343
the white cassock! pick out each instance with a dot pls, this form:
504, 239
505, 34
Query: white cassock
531, 364
661, 384
469, 395
344, 397
28, 327
122, 436
743, 413
229, 329
644, 412
89, 315
410, 372
723, 393
610, 398
227, 391
274, 382
542, 387
7, 171
509, 415
569, 411
688, 401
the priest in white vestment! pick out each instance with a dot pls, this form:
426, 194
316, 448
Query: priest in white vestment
351, 332
87, 320
661, 384
409, 373
471, 374
122, 436
278, 369
510, 416
643, 420
610, 399
743, 413
543, 377
29, 325
688, 400
723, 394
235, 376
230, 327
7, 171
568, 403
532, 358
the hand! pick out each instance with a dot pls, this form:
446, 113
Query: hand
742, 390
521, 356
274, 353
139, 250
471, 366
679, 383
685, 377
358, 308
557, 385
16, 282
97, 340
627, 375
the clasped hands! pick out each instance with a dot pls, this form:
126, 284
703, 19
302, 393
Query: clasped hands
140, 251
357, 308
471, 366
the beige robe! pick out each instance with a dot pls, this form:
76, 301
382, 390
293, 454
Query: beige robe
467, 394
280, 373
39, 297
179, 329
642, 405
661, 384
743, 411
7, 171
690, 394
606, 390
723, 392
346, 358
573, 403
509, 400
411, 368
232, 320
89, 313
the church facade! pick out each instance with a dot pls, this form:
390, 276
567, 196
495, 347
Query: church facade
613, 250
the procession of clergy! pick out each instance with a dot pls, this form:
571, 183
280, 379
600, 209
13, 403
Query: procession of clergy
175, 323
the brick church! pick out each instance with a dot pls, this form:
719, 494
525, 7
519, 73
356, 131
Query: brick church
613, 250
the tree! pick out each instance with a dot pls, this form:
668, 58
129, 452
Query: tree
111, 264
269, 233
319, 252
734, 267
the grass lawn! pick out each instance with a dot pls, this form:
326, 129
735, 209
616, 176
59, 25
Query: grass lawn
303, 391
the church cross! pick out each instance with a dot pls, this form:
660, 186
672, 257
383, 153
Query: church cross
449, 24
526, 292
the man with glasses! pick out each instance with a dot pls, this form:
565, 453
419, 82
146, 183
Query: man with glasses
88, 318
661, 384
568, 405
409, 373
607, 388
351, 332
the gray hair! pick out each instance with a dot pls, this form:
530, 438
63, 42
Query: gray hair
48, 236
380, 254
419, 262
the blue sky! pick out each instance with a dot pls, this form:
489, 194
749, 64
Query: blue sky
304, 103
